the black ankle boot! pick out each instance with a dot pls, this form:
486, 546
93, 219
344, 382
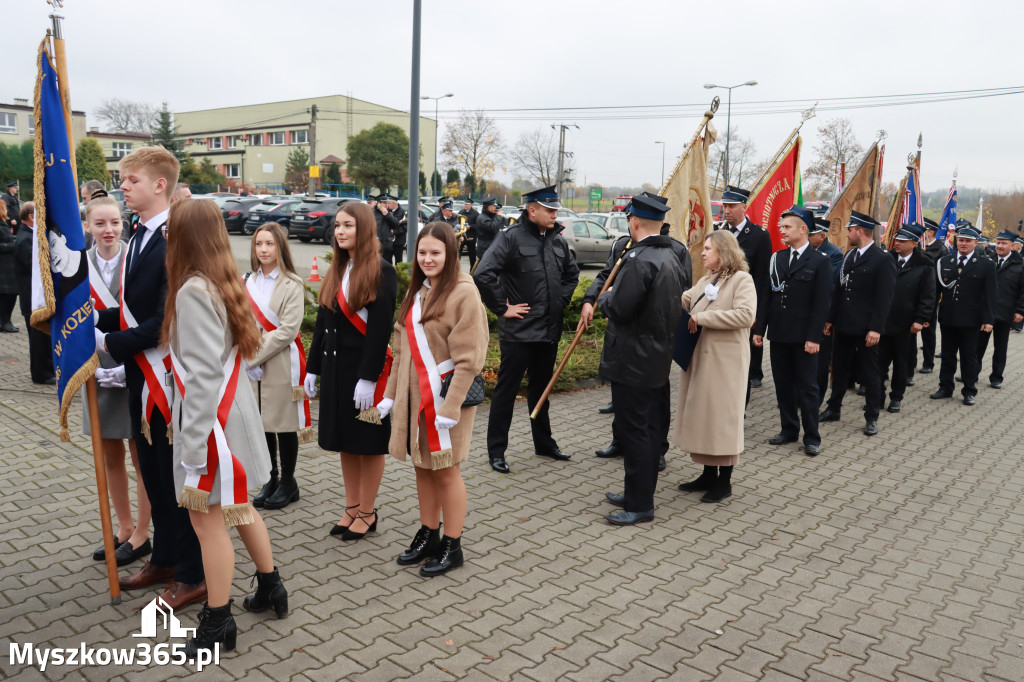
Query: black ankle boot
216, 626
722, 488
448, 556
703, 482
286, 493
423, 546
270, 592
266, 491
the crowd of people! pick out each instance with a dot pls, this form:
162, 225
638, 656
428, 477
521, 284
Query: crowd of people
404, 377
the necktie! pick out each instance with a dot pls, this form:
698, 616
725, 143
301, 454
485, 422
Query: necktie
1002, 261
903, 261
856, 255
136, 247
792, 257
960, 268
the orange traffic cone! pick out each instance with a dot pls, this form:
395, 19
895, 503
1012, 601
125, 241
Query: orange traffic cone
314, 274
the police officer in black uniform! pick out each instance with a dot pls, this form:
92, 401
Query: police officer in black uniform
10, 197
399, 226
643, 310
526, 278
967, 288
445, 214
386, 224
488, 225
819, 240
1009, 306
469, 214
794, 316
913, 304
757, 247
859, 310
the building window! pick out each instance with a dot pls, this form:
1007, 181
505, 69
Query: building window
300, 137
216, 143
122, 149
256, 140
115, 178
8, 123
231, 170
31, 124
277, 138
235, 140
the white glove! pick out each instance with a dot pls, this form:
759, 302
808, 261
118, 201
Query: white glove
255, 373
310, 384
384, 407
444, 423
111, 378
363, 395
100, 339
95, 313
193, 468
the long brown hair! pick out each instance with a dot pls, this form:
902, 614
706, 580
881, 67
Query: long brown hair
445, 283
365, 277
284, 253
197, 245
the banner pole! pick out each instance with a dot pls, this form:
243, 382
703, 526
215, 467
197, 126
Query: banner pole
708, 115
769, 167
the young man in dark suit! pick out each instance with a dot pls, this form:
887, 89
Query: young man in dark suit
1009, 306
859, 310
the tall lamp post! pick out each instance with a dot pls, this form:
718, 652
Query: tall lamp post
433, 186
662, 161
728, 119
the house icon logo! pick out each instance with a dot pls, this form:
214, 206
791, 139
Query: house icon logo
156, 611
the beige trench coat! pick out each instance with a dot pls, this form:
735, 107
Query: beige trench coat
460, 334
712, 393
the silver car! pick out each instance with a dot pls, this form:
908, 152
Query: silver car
588, 241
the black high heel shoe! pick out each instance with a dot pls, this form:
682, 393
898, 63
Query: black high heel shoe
352, 535
338, 529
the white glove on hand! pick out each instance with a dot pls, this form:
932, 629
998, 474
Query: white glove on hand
254, 373
444, 423
111, 378
100, 339
310, 385
95, 313
363, 395
384, 407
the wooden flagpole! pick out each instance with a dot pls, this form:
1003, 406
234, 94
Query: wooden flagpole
60, 62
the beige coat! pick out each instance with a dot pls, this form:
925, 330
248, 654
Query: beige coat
712, 393
277, 394
460, 334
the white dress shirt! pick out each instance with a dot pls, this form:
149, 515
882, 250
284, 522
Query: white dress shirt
264, 285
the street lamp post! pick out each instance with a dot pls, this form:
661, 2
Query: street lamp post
728, 120
662, 162
433, 186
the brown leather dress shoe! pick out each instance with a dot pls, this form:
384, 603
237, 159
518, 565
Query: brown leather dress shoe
148, 576
179, 595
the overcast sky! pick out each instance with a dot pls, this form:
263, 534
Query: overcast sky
536, 54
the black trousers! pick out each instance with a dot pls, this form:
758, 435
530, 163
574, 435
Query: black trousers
7, 302
850, 349
796, 389
174, 541
756, 357
398, 252
894, 350
962, 341
1001, 338
928, 344
824, 366
471, 252
537, 361
642, 425
665, 408
40, 354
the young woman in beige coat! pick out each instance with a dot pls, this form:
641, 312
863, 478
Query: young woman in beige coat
712, 392
441, 329
277, 297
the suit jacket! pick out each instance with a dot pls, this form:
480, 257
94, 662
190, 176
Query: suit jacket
1009, 288
969, 299
757, 247
835, 257
935, 251
798, 311
864, 296
23, 267
913, 297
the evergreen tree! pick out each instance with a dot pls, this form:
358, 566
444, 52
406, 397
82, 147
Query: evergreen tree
296, 176
423, 182
165, 134
379, 157
90, 163
453, 176
333, 175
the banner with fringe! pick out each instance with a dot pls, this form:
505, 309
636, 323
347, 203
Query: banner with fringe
780, 190
689, 197
859, 195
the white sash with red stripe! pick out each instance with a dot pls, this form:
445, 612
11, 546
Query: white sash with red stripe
269, 321
358, 319
234, 496
104, 299
429, 374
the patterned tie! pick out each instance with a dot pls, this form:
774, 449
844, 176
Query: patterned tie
963, 262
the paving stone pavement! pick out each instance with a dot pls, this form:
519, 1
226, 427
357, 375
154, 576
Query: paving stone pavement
896, 557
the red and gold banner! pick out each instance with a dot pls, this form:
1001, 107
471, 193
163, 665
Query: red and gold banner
778, 193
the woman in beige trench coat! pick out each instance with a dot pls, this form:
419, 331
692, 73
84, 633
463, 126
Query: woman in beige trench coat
712, 392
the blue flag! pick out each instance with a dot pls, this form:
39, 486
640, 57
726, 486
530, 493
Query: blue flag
912, 209
948, 220
61, 273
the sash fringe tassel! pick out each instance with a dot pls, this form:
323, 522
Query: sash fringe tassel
441, 460
370, 415
195, 499
307, 435
298, 394
237, 514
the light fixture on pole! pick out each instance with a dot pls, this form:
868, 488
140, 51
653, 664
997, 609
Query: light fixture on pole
662, 161
436, 190
728, 120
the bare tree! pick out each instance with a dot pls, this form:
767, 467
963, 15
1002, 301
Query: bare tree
1004, 211
836, 142
122, 114
473, 144
743, 168
535, 155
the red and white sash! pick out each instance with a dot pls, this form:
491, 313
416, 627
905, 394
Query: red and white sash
429, 374
234, 497
155, 363
358, 319
269, 321
100, 293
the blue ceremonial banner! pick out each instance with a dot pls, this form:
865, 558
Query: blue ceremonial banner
948, 220
912, 210
60, 283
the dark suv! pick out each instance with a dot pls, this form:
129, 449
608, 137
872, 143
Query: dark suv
270, 210
314, 219
235, 212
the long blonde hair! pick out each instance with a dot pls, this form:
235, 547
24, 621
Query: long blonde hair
731, 258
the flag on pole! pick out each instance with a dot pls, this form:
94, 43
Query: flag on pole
948, 220
897, 212
60, 274
689, 197
858, 195
912, 211
776, 194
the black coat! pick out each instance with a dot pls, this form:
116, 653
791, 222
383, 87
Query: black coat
835, 257
914, 296
23, 267
643, 308
438, 217
487, 227
757, 247
13, 210
862, 300
935, 251
678, 248
799, 298
399, 229
471, 215
524, 266
386, 225
8, 282
967, 300
1009, 288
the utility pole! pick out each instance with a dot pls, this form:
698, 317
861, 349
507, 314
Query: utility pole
413, 214
311, 189
560, 178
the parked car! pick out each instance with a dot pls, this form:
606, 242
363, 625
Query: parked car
235, 212
616, 223
588, 241
270, 211
314, 219
565, 213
